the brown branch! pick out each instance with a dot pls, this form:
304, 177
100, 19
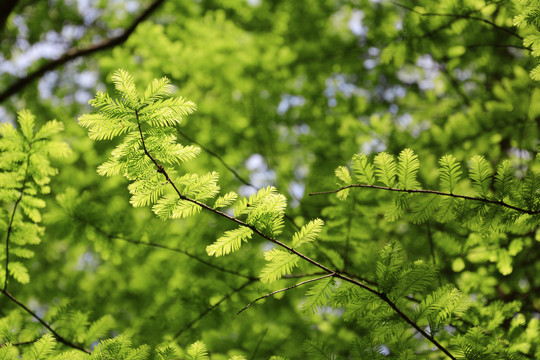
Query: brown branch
334, 273
421, 191
284, 289
58, 337
207, 311
75, 53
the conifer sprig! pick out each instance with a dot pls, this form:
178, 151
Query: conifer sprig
434, 192
45, 324
284, 289
263, 211
25, 172
480, 174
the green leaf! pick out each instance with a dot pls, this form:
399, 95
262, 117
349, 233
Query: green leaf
43, 347
26, 121
414, 278
450, 173
49, 129
447, 208
385, 168
280, 263
19, 272
124, 84
389, 266
100, 328
439, 306
316, 350
157, 89
362, 169
535, 73
425, 207
480, 173
229, 242
225, 200
407, 169
167, 112
198, 351
318, 295
307, 233
504, 179
9, 352
146, 191
342, 173
170, 206
166, 354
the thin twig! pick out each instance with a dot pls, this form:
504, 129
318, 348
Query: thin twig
161, 246
212, 153
207, 311
58, 337
10, 227
421, 191
284, 289
231, 169
74, 53
20, 343
258, 344
296, 276
460, 16
336, 274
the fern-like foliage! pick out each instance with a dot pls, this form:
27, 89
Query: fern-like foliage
362, 169
229, 242
25, 173
407, 169
438, 307
527, 19
316, 350
308, 233
385, 168
280, 263
450, 173
497, 199
319, 295
147, 157
480, 173
198, 351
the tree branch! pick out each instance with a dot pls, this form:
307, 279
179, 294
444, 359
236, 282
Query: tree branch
334, 273
74, 53
19, 343
284, 289
461, 16
421, 191
207, 311
230, 168
35, 316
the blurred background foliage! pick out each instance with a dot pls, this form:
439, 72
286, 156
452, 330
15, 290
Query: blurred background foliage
286, 91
